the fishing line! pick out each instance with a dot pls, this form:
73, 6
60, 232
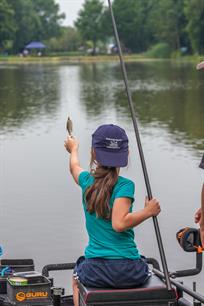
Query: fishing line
146, 177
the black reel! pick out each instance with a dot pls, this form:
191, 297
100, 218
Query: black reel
189, 239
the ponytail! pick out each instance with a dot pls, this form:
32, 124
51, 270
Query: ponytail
97, 196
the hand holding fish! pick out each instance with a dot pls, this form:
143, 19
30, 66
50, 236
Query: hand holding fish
71, 144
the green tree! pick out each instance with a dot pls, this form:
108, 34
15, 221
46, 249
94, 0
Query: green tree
26, 22
7, 25
69, 40
34, 20
194, 10
89, 21
132, 18
168, 23
48, 13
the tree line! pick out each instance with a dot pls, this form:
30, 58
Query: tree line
22, 21
143, 24
177, 25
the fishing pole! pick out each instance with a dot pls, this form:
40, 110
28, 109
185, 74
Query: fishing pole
146, 177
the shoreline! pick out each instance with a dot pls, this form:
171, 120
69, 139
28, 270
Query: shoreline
92, 59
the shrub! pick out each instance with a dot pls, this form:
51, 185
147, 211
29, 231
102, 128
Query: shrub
160, 50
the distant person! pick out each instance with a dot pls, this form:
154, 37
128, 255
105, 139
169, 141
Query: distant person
199, 215
25, 52
112, 258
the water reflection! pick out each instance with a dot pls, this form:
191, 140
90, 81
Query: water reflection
27, 94
165, 94
96, 88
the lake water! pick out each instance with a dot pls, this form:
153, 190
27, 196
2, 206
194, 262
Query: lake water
41, 215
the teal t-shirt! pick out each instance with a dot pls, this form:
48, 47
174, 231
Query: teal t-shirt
104, 241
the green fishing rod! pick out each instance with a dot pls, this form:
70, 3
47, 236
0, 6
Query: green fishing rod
146, 177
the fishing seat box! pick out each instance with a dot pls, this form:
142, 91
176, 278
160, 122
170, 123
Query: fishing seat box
36, 292
153, 292
17, 265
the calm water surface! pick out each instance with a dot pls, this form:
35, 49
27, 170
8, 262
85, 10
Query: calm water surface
40, 212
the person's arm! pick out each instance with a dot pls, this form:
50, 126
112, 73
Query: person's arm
197, 215
200, 65
122, 219
202, 217
71, 144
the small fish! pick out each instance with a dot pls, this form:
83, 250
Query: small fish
69, 126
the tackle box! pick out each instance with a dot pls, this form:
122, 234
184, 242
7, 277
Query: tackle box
17, 265
36, 292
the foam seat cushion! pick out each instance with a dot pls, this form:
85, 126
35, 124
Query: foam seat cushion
153, 289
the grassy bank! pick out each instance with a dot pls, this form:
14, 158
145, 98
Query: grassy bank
68, 59
91, 59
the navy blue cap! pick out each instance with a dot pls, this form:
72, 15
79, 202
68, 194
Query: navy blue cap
202, 163
110, 144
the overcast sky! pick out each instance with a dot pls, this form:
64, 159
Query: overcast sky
71, 9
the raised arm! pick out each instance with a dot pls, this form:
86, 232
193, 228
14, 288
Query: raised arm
71, 144
122, 219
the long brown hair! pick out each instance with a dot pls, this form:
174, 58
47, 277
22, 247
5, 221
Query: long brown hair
97, 196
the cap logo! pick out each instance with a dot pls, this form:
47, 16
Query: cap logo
112, 143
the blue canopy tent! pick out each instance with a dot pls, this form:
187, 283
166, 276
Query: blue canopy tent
35, 45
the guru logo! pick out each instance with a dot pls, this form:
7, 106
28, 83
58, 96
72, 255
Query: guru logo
20, 296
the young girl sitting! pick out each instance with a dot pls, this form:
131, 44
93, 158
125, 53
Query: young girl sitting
111, 258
